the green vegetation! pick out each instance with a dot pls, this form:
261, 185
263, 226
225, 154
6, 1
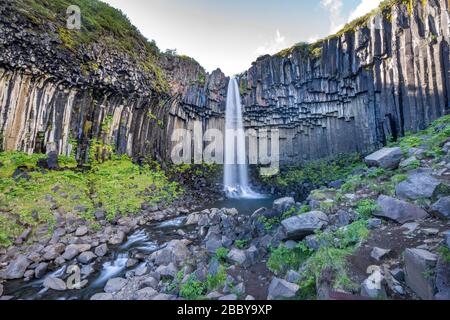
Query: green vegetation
241, 244
99, 23
318, 172
283, 259
117, 186
445, 253
366, 207
221, 254
194, 289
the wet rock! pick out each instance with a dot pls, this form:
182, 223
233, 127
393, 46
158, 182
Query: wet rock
51, 252
81, 231
70, 252
442, 208
40, 270
28, 275
283, 204
298, 227
399, 210
419, 268
55, 284
379, 253
17, 268
117, 238
387, 158
86, 257
101, 250
193, 219
115, 285
419, 185
102, 297
281, 289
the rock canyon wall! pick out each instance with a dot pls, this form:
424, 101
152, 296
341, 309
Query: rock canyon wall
351, 92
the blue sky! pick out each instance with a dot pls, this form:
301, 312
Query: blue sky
230, 34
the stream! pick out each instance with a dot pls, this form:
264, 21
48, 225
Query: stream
143, 241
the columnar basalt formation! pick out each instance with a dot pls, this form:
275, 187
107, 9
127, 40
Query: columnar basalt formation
351, 92
356, 90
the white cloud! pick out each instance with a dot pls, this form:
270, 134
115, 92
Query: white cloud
334, 8
275, 45
363, 8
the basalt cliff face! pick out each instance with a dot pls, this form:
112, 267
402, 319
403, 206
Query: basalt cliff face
350, 93
56, 97
356, 90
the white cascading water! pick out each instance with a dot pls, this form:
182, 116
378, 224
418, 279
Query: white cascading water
235, 168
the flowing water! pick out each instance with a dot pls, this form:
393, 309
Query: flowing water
236, 180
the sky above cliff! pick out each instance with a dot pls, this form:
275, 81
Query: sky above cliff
231, 34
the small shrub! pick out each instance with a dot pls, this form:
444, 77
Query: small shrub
365, 208
221, 254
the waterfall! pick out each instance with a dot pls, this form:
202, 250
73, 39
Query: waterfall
235, 168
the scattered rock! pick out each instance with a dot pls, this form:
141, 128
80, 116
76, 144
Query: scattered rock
298, 227
293, 276
373, 287
169, 271
447, 238
419, 268
379, 253
117, 238
71, 252
214, 295
399, 210
398, 274
17, 268
115, 285
145, 294
101, 250
237, 256
176, 252
250, 298
55, 284
281, 289
419, 185
283, 204
40, 270
102, 296
1, 290
443, 279
442, 208
387, 158
430, 231
81, 231
86, 257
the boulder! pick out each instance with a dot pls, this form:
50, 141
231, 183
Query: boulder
443, 279
40, 270
374, 287
102, 297
398, 210
81, 231
101, 250
169, 271
298, 227
176, 251
387, 158
283, 204
293, 276
55, 284
237, 256
17, 267
379, 253
281, 289
419, 270
419, 185
86, 257
71, 252
117, 238
51, 252
115, 285
442, 208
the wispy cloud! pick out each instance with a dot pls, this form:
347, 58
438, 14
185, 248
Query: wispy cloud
334, 8
273, 46
363, 8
